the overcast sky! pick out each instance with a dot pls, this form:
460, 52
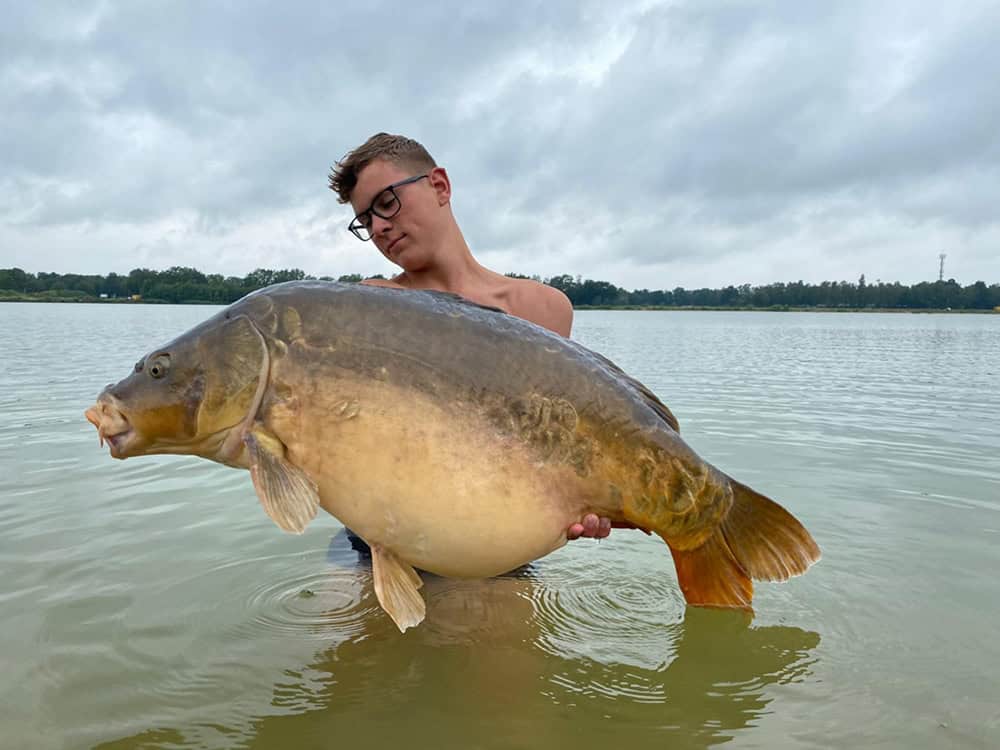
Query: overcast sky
649, 144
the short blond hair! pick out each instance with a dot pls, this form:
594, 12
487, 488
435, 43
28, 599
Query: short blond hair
397, 149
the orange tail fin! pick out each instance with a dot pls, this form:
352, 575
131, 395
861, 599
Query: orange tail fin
711, 577
757, 540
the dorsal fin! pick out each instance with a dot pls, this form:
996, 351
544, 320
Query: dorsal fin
647, 395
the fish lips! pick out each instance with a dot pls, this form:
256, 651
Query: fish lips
113, 427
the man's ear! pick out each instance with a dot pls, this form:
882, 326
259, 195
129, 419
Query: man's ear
441, 184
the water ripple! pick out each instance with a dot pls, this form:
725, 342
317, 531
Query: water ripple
316, 607
603, 611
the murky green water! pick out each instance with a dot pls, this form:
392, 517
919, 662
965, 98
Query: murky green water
151, 603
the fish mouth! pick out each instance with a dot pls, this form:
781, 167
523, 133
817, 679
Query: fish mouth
112, 427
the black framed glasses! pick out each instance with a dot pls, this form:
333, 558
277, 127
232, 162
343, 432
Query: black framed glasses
385, 205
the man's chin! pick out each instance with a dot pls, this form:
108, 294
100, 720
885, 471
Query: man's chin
411, 260
396, 249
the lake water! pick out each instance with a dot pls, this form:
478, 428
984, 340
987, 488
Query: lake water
152, 604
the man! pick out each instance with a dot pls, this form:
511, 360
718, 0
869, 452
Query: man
402, 203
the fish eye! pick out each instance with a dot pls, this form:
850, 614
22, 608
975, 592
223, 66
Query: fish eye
159, 366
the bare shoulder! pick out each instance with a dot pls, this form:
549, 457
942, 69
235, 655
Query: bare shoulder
541, 304
392, 284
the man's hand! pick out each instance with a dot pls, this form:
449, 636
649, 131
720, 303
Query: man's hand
591, 527
594, 527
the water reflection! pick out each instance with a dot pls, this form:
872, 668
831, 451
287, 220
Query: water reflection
714, 685
513, 662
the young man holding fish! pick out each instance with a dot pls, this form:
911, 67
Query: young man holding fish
402, 203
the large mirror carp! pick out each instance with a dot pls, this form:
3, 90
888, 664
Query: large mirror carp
452, 438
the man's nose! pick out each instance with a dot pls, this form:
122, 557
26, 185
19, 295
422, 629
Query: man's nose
380, 225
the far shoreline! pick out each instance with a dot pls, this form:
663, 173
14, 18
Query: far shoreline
789, 308
640, 308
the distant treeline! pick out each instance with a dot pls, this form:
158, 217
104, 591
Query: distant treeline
836, 294
176, 285
188, 285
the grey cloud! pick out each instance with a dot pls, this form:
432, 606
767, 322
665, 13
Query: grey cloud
658, 135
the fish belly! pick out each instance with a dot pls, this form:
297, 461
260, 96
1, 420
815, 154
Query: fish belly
439, 486
468, 529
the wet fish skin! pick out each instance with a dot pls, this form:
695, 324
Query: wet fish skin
452, 437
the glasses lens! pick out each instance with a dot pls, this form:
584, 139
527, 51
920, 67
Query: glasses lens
386, 204
361, 231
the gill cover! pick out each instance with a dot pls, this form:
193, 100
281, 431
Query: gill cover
287, 494
236, 364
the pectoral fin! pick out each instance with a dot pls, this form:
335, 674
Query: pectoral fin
288, 495
396, 584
